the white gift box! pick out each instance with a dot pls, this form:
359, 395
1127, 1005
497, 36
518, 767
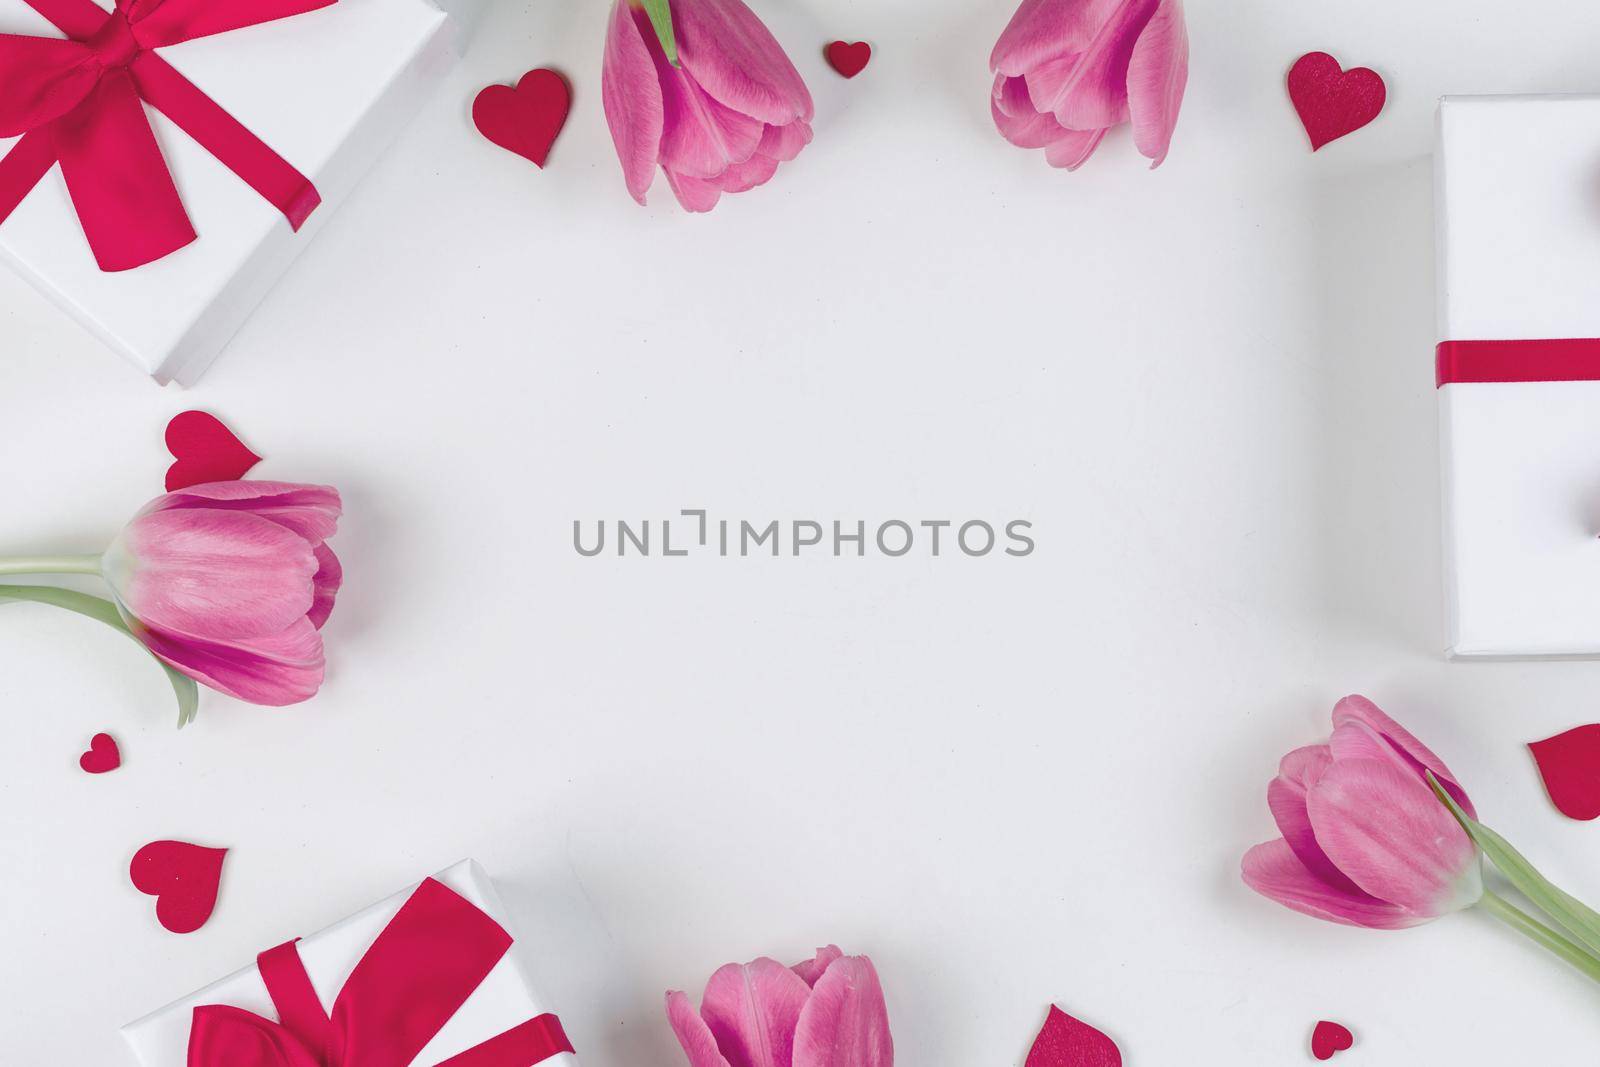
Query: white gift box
503, 1000
328, 90
1518, 206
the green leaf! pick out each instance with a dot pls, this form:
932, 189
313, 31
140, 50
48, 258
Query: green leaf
183, 687
660, 14
1577, 917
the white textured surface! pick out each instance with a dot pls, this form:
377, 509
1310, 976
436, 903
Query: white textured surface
1010, 781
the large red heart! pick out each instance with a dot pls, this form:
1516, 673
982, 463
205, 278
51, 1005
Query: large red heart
206, 451
1569, 763
1331, 101
1066, 1042
183, 878
847, 58
1328, 1038
524, 120
102, 756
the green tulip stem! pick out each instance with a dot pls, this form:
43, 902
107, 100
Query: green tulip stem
660, 15
1539, 933
50, 565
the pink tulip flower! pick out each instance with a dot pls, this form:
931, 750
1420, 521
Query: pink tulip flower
1365, 840
230, 583
1068, 71
718, 122
825, 1012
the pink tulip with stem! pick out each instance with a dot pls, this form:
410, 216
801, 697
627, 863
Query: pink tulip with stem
701, 89
1377, 832
1067, 72
226, 584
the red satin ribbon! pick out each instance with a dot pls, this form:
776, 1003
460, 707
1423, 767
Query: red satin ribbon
413, 978
1574, 359
78, 102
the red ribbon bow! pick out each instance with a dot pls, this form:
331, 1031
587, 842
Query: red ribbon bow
77, 102
414, 977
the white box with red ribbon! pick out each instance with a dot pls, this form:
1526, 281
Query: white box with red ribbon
430, 977
162, 166
1518, 370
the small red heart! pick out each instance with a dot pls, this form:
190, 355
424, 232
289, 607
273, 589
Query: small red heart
183, 878
206, 451
1328, 1038
847, 58
1331, 101
1066, 1042
102, 755
524, 120
1569, 763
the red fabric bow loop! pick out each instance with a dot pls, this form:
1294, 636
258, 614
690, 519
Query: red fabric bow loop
80, 102
423, 966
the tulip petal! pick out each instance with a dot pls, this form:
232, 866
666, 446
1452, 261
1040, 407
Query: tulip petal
1095, 93
732, 54
1273, 870
1157, 75
741, 177
783, 143
701, 137
325, 585
312, 511
1286, 796
693, 1034
1394, 743
1073, 149
752, 1010
274, 671
813, 968
695, 194
1384, 828
1043, 30
1032, 130
630, 91
224, 574
845, 1023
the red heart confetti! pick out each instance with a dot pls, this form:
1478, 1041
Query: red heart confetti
183, 878
1328, 1038
1332, 101
524, 120
102, 756
205, 451
848, 58
1066, 1042
1570, 766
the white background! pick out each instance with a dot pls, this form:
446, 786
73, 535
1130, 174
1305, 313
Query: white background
1009, 781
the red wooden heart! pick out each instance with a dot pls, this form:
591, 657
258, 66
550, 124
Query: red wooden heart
102, 756
1328, 1038
1333, 102
206, 451
524, 120
848, 58
1570, 766
1066, 1042
183, 878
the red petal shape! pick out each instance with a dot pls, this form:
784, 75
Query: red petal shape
1570, 766
206, 451
1066, 1042
183, 878
1329, 1038
1331, 101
